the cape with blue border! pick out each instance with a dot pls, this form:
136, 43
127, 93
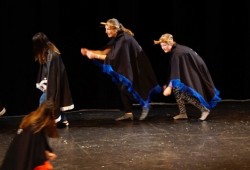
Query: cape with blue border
182, 87
118, 78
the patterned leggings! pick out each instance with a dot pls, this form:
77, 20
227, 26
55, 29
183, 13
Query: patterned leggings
181, 97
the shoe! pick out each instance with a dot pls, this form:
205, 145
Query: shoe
66, 123
204, 115
2, 111
181, 116
125, 117
144, 113
62, 124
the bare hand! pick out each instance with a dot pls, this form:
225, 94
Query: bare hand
84, 51
167, 91
90, 54
50, 155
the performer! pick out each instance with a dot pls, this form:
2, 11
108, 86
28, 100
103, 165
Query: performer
30, 149
52, 77
189, 78
128, 65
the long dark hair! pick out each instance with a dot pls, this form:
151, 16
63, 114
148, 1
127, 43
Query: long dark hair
41, 47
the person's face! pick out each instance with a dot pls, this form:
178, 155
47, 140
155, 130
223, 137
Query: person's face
165, 47
110, 31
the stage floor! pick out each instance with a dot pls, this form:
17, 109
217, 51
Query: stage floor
95, 141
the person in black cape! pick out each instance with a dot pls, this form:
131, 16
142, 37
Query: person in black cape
128, 65
52, 77
30, 148
189, 78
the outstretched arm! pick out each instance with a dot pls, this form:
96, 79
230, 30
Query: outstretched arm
95, 54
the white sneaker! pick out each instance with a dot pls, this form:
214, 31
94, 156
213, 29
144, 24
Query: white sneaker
181, 116
204, 115
2, 111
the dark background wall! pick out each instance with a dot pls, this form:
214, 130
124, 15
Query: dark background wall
217, 30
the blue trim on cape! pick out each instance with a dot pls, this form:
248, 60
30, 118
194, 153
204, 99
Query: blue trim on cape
182, 87
118, 78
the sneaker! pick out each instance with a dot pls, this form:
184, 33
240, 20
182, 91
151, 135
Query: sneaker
62, 124
66, 123
125, 117
204, 115
144, 113
181, 116
2, 111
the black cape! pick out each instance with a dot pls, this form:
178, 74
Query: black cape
26, 151
58, 86
189, 73
128, 64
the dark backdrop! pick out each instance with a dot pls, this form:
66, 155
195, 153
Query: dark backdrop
217, 30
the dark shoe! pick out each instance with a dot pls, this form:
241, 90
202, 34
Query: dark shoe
125, 117
144, 113
62, 124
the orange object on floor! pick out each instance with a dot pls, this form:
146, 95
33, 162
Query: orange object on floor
46, 166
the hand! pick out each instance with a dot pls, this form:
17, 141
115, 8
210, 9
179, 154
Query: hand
84, 51
43, 85
50, 155
90, 54
167, 91
43, 82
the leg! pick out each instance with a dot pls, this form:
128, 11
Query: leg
42, 98
192, 100
179, 96
126, 102
63, 122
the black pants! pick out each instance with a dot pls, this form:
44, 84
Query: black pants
126, 99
